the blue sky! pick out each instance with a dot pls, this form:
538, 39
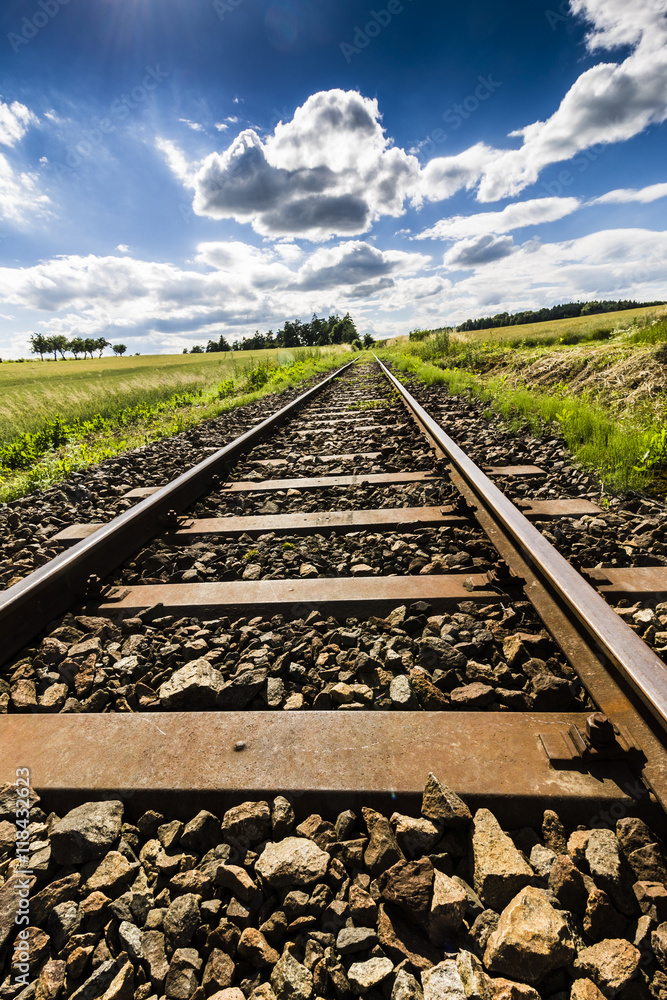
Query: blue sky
171, 170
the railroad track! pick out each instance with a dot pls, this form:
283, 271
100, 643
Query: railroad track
312, 614
335, 433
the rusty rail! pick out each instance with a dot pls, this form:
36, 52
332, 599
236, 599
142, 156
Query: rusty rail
28, 606
638, 664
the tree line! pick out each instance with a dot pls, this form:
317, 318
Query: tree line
566, 311
319, 332
61, 345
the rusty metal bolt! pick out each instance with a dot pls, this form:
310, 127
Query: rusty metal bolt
600, 729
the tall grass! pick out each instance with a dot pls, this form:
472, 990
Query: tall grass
57, 447
622, 452
79, 390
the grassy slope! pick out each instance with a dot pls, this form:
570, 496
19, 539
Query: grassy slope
607, 395
33, 389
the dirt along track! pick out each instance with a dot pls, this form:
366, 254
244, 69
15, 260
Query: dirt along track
251, 837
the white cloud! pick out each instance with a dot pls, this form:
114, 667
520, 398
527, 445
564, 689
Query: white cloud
445, 175
621, 195
526, 213
195, 126
357, 263
236, 288
329, 171
176, 160
231, 283
123, 247
20, 197
618, 263
478, 250
221, 126
15, 120
610, 102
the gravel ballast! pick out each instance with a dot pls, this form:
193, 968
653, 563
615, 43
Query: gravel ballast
254, 904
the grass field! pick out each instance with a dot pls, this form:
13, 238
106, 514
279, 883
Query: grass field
597, 380
580, 329
61, 416
81, 389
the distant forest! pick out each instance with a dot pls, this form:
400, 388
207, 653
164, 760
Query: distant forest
317, 333
566, 311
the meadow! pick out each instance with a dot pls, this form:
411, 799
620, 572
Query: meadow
598, 380
61, 416
81, 389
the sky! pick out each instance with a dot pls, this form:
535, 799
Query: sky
174, 170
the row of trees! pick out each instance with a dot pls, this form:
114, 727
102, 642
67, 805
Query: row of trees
566, 311
59, 344
319, 332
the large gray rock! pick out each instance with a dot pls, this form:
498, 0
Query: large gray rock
182, 979
153, 948
448, 906
383, 850
406, 987
610, 870
240, 690
435, 653
442, 805
353, 939
532, 939
401, 694
409, 884
443, 982
181, 920
101, 979
86, 832
364, 976
202, 833
611, 964
500, 870
247, 824
291, 980
294, 861
113, 871
415, 836
194, 687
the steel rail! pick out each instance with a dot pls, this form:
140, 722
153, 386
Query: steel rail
641, 667
29, 605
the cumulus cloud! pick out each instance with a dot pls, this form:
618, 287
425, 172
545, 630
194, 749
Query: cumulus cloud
15, 120
621, 195
229, 282
20, 197
617, 263
329, 171
332, 171
478, 250
232, 287
608, 103
357, 263
516, 216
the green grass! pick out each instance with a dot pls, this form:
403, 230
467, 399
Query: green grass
78, 434
626, 451
82, 389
